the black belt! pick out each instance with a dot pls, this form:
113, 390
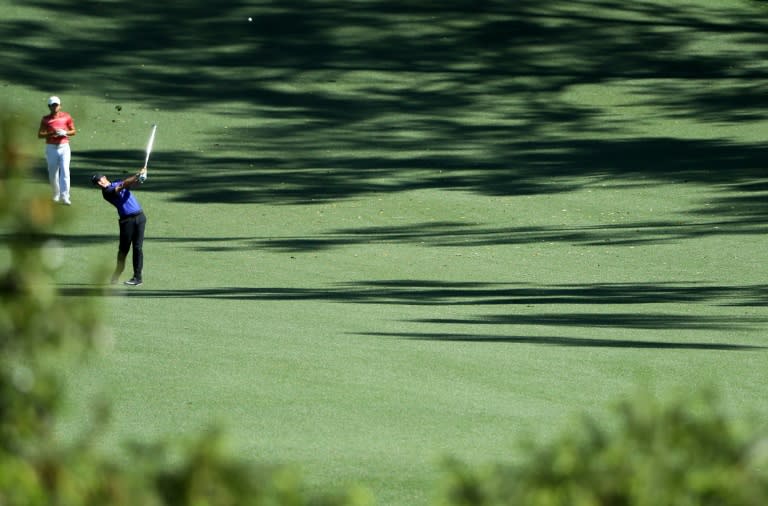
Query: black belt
130, 216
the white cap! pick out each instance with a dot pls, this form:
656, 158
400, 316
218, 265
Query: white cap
54, 100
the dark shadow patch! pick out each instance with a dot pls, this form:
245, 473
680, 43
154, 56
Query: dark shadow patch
567, 341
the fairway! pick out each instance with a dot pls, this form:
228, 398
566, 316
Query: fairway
381, 234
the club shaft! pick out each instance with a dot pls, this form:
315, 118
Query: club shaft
150, 143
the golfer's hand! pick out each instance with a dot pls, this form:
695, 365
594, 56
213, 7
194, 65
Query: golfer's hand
61, 132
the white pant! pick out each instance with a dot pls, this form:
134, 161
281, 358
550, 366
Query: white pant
58, 156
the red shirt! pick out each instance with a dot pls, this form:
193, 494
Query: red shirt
52, 122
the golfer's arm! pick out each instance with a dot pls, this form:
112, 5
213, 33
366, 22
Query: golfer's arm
130, 181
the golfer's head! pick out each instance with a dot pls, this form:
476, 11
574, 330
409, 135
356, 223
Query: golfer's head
99, 180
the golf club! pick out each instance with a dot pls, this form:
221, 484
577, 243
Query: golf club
150, 143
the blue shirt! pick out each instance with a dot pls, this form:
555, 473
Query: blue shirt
123, 200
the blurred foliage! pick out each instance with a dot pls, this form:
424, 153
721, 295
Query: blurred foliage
685, 452
40, 334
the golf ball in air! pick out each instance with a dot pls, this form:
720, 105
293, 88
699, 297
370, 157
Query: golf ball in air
250, 19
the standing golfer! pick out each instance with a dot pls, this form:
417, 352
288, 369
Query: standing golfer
131, 218
56, 128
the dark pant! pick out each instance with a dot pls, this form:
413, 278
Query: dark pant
131, 234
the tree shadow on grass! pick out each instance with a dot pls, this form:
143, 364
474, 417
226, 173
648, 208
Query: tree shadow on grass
436, 293
647, 321
448, 234
465, 234
567, 341
439, 293
516, 168
390, 96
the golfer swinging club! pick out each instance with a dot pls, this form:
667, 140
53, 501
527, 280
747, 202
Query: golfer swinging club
131, 218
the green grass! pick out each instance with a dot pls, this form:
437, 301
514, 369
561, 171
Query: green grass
383, 234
